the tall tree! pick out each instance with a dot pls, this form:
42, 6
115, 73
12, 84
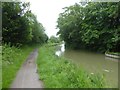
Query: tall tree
94, 26
20, 24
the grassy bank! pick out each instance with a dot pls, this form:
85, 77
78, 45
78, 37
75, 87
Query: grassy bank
113, 53
0, 66
12, 59
57, 72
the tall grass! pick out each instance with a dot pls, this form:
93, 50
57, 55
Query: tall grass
57, 72
12, 59
0, 67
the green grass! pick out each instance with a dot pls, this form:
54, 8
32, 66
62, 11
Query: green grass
0, 67
12, 59
58, 72
113, 53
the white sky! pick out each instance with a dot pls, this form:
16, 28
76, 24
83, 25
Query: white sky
47, 12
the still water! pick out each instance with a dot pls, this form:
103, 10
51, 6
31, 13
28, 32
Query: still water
93, 63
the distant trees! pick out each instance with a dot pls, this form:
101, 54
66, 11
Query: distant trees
38, 31
54, 39
19, 24
95, 26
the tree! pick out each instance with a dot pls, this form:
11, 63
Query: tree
20, 25
95, 26
54, 39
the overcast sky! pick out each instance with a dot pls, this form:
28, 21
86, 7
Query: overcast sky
47, 12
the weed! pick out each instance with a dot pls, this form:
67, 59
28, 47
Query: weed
58, 72
12, 59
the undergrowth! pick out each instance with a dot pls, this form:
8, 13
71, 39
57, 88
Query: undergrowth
12, 59
58, 72
0, 66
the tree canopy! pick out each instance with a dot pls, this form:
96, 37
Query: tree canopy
95, 26
20, 25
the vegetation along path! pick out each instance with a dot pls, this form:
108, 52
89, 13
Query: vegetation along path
27, 76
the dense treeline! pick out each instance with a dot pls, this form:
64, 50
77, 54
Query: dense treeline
20, 25
54, 39
95, 26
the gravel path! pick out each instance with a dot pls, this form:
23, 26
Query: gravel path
27, 76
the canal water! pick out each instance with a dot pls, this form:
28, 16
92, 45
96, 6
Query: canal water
93, 63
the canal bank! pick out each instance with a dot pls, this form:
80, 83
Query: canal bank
59, 72
112, 55
93, 63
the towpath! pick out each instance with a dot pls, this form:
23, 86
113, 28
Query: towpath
27, 76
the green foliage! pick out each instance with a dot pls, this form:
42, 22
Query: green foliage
15, 22
9, 54
57, 72
12, 59
54, 39
19, 25
95, 26
0, 67
38, 33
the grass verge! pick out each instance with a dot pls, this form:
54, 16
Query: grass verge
57, 72
114, 53
0, 67
12, 59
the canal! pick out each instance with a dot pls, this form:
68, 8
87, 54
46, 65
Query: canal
93, 63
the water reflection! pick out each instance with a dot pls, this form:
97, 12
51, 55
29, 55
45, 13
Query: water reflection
62, 47
93, 63
60, 50
106, 70
112, 59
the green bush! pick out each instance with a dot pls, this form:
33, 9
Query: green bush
9, 54
12, 59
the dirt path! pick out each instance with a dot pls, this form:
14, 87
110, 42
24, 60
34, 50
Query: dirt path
27, 76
